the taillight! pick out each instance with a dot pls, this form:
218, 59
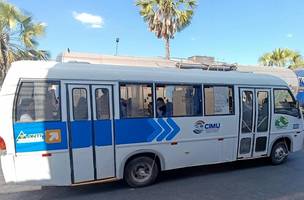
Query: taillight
2, 144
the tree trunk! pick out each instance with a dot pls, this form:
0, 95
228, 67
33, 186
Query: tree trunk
4, 54
4, 50
167, 41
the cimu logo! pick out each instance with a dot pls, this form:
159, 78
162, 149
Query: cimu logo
201, 126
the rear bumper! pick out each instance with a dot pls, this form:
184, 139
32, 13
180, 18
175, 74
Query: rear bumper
8, 168
33, 169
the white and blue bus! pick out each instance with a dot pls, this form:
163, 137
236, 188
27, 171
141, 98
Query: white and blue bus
76, 123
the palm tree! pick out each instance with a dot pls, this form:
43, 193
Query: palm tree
166, 17
18, 34
282, 58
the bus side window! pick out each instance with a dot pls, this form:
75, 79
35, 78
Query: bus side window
38, 101
178, 100
80, 104
285, 103
136, 100
219, 100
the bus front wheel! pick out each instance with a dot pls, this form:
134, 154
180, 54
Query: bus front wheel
141, 171
279, 153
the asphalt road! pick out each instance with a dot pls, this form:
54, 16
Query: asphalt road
253, 180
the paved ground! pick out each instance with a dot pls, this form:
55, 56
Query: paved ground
253, 180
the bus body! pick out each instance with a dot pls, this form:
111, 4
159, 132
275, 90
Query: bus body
300, 95
76, 123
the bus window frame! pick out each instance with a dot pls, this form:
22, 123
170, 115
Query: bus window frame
16, 95
233, 99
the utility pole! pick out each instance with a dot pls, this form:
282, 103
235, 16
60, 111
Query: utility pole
117, 41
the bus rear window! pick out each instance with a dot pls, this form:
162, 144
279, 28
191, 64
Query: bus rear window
38, 101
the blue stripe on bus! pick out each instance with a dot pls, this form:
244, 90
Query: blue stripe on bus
132, 131
81, 134
127, 131
36, 130
103, 132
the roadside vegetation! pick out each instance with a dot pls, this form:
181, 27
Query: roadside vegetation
282, 57
18, 37
166, 17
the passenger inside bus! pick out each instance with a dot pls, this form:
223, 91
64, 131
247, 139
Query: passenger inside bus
263, 115
27, 110
160, 107
81, 110
247, 112
123, 108
51, 105
102, 104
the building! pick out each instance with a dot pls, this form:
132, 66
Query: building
197, 62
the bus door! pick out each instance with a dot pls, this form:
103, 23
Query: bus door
254, 123
90, 132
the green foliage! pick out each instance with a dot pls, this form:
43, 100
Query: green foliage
282, 58
166, 17
18, 37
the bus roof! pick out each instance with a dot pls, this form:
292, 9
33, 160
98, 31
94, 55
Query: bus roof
102, 72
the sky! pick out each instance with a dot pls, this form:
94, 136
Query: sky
234, 31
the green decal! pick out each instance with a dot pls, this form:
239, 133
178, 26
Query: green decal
281, 122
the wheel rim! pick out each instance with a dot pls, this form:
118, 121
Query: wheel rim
141, 172
279, 153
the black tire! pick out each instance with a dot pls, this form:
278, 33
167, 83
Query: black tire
141, 171
279, 153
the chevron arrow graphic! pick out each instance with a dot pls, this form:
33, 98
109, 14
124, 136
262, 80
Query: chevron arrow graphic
163, 129
175, 129
157, 130
167, 130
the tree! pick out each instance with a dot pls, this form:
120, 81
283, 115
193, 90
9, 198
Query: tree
282, 58
18, 34
166, 17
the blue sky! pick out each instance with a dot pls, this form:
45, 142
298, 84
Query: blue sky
231, 31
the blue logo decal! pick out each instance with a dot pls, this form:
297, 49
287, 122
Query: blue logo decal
163, 129
201, 126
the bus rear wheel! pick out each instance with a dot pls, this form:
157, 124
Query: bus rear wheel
141, 171
279, 153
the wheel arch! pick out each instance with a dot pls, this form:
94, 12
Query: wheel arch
284, 138
141, 152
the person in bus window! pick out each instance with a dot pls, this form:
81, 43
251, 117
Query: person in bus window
263, 115
169, 108
123, 108
102, 104
51, 105
27, 110
150, 109
247, 112
160, 107
81, 110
